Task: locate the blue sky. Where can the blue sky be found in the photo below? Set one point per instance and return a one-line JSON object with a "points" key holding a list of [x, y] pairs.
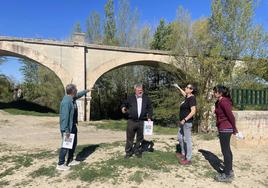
{"points": [[54, 19]]}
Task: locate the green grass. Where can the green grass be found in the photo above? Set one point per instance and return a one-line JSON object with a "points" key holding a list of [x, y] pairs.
{"points": [[7, 172], [138, 176], [113, 167], [24, 183], [22, 161], [44, 171], [14, 111], [18, 161], [4, 183], [120, 125]]}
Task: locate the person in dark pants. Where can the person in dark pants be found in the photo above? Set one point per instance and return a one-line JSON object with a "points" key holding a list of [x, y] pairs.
{"points": [[225, 122], [68, 124], [138, 108], [187, 112]]}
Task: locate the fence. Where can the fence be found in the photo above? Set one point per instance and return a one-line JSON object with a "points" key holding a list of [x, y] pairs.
{"points": [[249, 97]]}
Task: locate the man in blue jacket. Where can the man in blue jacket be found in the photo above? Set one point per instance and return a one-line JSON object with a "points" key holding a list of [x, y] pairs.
{"points": [[68, 124]]}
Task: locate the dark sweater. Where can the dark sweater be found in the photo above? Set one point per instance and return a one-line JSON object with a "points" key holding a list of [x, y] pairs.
{"points": [[225, 117]]}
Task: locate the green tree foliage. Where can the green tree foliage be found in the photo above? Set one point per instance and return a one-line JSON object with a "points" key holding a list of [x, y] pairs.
{"points": [[161, 35], [214, 45], [93, 28], [6, 88], [110, 24], [41, 85]]}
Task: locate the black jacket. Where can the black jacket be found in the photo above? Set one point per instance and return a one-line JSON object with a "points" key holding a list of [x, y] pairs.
{"points": [[132, 109]]}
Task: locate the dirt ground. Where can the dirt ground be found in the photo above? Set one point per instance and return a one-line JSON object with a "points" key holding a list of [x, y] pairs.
{"points": [[30, 134]]}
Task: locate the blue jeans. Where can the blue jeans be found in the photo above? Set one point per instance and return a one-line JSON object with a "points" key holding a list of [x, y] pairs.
{"points": [[184, 137], [64, 151]]}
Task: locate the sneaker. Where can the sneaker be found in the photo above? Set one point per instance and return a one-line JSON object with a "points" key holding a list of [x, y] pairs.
{"points": [[221, 174], [74, 162], [185, 162], [180, 156], [223, 178], [62, 167]]}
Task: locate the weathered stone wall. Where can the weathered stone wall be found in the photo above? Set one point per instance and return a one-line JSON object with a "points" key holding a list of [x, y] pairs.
{"points": [[253, 125]]}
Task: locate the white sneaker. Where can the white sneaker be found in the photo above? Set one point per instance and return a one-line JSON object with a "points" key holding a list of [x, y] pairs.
{"points": [[73, 163], [62, 167]]}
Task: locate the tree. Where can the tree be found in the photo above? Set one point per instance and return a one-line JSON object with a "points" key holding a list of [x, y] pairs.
{"points": [[231, 26], [126, 24], [161, 35], [144, 38], [6, 88], [93, 28], [41, 85], [77, 28], [109, 26]]}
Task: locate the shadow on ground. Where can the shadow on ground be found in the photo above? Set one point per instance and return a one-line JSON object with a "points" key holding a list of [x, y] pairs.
{"points": [[86, 152], [213, 160], [26, 106]]}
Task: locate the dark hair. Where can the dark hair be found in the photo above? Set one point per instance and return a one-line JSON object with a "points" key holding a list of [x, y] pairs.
{"points": [[194, 88], [225, 92]]}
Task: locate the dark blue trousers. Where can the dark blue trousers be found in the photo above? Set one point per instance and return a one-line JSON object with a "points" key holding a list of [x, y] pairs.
{"points": [[64, 151]]}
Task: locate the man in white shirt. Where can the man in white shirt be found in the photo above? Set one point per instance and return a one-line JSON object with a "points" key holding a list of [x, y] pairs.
{"points": [[138, 108]]}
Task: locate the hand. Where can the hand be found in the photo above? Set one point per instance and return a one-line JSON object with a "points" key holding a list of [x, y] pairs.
{"points": [[124, 110], [182, 121], [175, 85], [67, 135], [239, 135]]}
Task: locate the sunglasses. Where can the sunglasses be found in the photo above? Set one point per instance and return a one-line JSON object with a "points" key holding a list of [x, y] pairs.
{"points": [[189, 87]]}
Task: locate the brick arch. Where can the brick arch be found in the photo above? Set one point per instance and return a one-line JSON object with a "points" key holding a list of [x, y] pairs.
{"points": [[7, 49]]}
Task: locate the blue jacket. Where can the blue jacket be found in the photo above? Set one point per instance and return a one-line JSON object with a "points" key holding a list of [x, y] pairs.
{"points": [[67, 111]]}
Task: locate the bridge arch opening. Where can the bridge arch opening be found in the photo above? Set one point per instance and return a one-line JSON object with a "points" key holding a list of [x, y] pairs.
{"points": [[113, 86], [30, 87]]}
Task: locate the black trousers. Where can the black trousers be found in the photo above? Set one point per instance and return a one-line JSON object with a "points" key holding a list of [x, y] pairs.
{"points": [[226, 151], [134, 128]]}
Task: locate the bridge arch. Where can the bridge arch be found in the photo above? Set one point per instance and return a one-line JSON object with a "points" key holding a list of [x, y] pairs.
{"points": [[9, 49], [149, 60]]}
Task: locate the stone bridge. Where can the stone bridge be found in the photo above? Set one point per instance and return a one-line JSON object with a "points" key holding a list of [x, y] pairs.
{"points": [[79, 63]]}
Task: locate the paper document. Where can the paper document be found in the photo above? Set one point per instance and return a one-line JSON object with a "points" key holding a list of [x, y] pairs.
{"points": [[148, 127], [68, 142]]}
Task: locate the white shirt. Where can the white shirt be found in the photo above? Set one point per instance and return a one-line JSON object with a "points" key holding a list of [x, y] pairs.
{"points": [[139, 105]]}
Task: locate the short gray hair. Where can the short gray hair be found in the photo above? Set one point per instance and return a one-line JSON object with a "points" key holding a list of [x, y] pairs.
{"points": [[70, 89], [138, 86]]}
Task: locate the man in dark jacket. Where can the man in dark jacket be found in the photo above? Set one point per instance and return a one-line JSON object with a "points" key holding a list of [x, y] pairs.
{"points": [[138, 109], [68, 124]]}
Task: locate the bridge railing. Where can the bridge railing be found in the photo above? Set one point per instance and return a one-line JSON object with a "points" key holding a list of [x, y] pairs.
{"points": [[250, 99]]}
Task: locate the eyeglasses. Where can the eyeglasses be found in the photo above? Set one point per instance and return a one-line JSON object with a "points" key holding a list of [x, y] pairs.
{"points": [[188, 87]]}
